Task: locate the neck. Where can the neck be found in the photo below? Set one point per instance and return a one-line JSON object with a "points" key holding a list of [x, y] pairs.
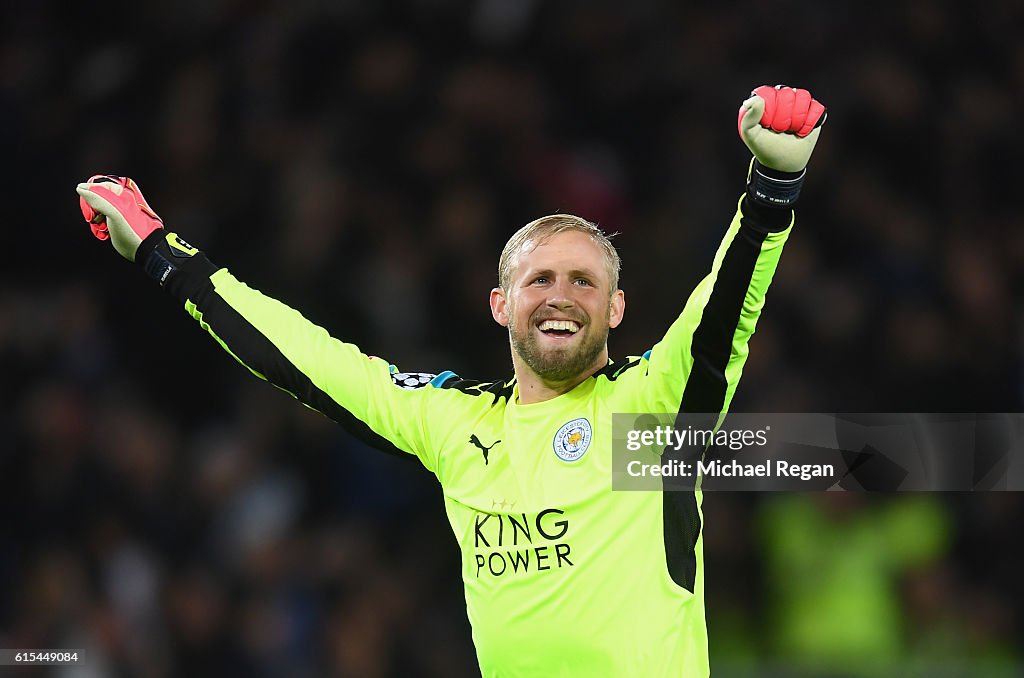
{"points": [[534, 388]]}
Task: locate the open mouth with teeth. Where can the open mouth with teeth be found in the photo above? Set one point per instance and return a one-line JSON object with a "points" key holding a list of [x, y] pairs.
{"points": [[559, 328]]}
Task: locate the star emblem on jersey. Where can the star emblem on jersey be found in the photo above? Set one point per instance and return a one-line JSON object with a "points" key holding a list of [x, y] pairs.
{"points": [[573, 439], [411, 380], [484, 450]]}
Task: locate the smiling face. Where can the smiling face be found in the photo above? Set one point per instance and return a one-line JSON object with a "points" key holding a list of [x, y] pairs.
{"points": [[558, 306]]}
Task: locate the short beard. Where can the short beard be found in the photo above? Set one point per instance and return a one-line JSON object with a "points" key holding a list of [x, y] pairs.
{"points": [[558, 365]]}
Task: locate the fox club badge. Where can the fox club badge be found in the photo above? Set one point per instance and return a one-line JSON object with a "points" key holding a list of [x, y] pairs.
{"points": [[573, 439]]}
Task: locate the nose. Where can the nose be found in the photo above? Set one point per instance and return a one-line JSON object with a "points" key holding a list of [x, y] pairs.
{"points": [[561, 296]]}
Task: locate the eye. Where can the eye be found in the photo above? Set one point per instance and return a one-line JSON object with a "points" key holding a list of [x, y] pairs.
{"points": [[582, 282], [540, 280]]}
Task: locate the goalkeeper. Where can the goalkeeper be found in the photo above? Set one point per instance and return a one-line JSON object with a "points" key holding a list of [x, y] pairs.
{"points": [[563, 577]]}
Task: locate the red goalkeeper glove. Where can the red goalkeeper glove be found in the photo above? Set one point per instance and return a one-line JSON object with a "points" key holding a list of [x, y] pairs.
{"points": [[780, 125], [116, 210]]}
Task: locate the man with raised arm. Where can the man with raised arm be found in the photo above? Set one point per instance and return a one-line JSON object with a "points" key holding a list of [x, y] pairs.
{"points": [[563, 576]]}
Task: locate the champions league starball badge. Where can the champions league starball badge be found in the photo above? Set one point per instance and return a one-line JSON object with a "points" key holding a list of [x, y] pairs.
{"points": [[573, 439], [411, 380]]}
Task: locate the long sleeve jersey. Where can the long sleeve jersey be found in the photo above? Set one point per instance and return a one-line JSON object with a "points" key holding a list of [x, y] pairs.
{"points": [[563, 576]]}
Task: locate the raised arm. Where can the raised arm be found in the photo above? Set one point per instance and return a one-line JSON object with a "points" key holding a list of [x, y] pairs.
{"points": [[697, 365], [276, 343]]}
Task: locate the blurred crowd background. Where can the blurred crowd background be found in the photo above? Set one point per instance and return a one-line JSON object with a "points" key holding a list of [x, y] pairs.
{"points": [[365, 162]]}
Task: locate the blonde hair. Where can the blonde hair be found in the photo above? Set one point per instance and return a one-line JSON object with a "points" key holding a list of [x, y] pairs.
{"points": [[541, 229]]}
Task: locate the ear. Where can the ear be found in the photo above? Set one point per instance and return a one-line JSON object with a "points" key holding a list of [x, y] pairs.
{"points": [[618, 308], [499, 306]]}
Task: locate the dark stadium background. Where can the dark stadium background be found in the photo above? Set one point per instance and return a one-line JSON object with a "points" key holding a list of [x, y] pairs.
{"points": [[364, 162]]}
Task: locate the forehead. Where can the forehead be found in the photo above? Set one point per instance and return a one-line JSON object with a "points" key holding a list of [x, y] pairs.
{"points": [[568, 250]]}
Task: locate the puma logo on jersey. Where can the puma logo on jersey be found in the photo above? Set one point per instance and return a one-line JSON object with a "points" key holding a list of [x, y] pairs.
{"points": [[476, 441]]}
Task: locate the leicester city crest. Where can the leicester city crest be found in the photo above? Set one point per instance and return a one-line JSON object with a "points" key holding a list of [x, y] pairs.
{"points": [[573, 439]]}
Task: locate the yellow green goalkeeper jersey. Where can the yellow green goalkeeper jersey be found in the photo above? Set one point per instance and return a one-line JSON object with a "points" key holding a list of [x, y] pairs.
{"points": [[563, 576]]}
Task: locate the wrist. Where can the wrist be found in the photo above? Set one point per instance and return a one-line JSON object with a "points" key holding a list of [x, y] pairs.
{"points": [[148, 244], [774, 188], [162, 253]]}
